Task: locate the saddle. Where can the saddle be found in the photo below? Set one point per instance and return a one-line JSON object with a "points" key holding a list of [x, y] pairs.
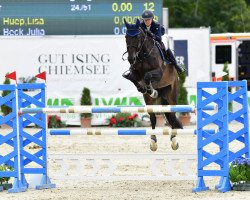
{"points": [[161, 49]]}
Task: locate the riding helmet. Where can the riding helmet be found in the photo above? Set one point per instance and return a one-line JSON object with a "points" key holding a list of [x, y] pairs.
{"points": [[147, 14]]}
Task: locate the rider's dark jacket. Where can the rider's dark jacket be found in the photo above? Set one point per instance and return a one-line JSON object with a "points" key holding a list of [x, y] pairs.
{"points": [[155, 28]]}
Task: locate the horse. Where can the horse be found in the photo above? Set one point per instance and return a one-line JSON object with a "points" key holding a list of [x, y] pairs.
{"points": [[152, 76]]}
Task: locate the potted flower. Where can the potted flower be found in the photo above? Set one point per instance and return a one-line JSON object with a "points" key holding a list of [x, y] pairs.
{"points": [[86, 101], [124, 120], [184, 117], [4, 181], [239, 174], [54, 121]]}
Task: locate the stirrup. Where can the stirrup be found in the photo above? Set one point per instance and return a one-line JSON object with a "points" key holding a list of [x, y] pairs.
{"points": [[180, 69]]}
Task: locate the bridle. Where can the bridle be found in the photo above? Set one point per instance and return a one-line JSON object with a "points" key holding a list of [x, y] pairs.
{"points": [[139, 46]]}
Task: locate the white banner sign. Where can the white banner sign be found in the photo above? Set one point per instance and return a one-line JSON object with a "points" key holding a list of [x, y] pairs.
{"points": [[70, 62]]}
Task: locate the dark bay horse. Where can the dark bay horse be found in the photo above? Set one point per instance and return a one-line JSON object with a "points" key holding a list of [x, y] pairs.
{"points": [[157, 80]]}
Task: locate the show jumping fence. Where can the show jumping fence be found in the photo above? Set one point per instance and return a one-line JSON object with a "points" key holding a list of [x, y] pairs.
{"points": [[211, 93], [117, 109], [109, 131]]}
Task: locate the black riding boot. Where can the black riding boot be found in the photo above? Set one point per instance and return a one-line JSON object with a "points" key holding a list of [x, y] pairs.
{"points": [[172, 59]]}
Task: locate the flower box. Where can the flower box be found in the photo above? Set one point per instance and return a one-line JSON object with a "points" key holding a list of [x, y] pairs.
{"points": [[54, 121], [243, 186], [239, 174], [124, 120]]}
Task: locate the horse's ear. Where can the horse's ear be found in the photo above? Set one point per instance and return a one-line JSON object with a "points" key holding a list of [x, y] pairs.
{"points": [[125, 22], [138, 22]]}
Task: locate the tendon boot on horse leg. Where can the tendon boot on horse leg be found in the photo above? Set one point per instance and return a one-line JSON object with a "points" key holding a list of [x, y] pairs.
{"points": [[175, 124], [172, 59], [132, 77], [152, 76], [153, 143]]}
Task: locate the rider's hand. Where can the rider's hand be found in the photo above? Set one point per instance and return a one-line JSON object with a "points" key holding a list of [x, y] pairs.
{"points": [[151, 34]]}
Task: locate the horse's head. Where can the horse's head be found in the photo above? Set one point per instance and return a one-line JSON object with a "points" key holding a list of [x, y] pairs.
{"points": [[134, 40]]}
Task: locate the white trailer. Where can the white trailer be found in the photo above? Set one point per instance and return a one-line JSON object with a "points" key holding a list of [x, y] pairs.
{"points": [[234, 49]]}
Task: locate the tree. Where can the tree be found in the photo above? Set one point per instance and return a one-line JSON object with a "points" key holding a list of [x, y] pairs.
{"points": [[6, 109], [227, 78], [86, 101], [225, 70], [220, 15]]}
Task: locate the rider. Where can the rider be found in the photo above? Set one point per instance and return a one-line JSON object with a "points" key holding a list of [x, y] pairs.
{"points": [[155, 30]]}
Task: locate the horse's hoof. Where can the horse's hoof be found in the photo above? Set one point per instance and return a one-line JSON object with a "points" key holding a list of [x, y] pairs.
{"points": [[126, 74], [153, 145], [154, 94], [175, 144]]}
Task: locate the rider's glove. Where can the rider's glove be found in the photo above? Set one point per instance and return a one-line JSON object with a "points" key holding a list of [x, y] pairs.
{"points": [[151, 35]]}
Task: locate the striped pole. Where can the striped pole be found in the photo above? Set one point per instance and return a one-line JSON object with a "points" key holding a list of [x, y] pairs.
{"points": [[116, 109], [113, 131]]}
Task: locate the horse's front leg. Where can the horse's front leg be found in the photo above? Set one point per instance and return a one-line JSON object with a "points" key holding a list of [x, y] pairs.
{"points": [[152, 76], [130, 75]]}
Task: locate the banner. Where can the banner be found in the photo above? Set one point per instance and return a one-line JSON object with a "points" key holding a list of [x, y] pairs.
{"points": [[70, 62], [181, 53]]}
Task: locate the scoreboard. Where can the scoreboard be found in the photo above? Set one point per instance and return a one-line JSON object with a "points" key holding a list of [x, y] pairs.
{"points": [[71, 17]]}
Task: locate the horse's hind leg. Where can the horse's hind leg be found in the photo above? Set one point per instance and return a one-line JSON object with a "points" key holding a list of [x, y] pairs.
{"points": [[153, 143], [173, 121], [175, 124]]}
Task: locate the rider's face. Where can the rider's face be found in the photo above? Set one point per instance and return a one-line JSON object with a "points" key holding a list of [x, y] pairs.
{"points": [[148, 22]]}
